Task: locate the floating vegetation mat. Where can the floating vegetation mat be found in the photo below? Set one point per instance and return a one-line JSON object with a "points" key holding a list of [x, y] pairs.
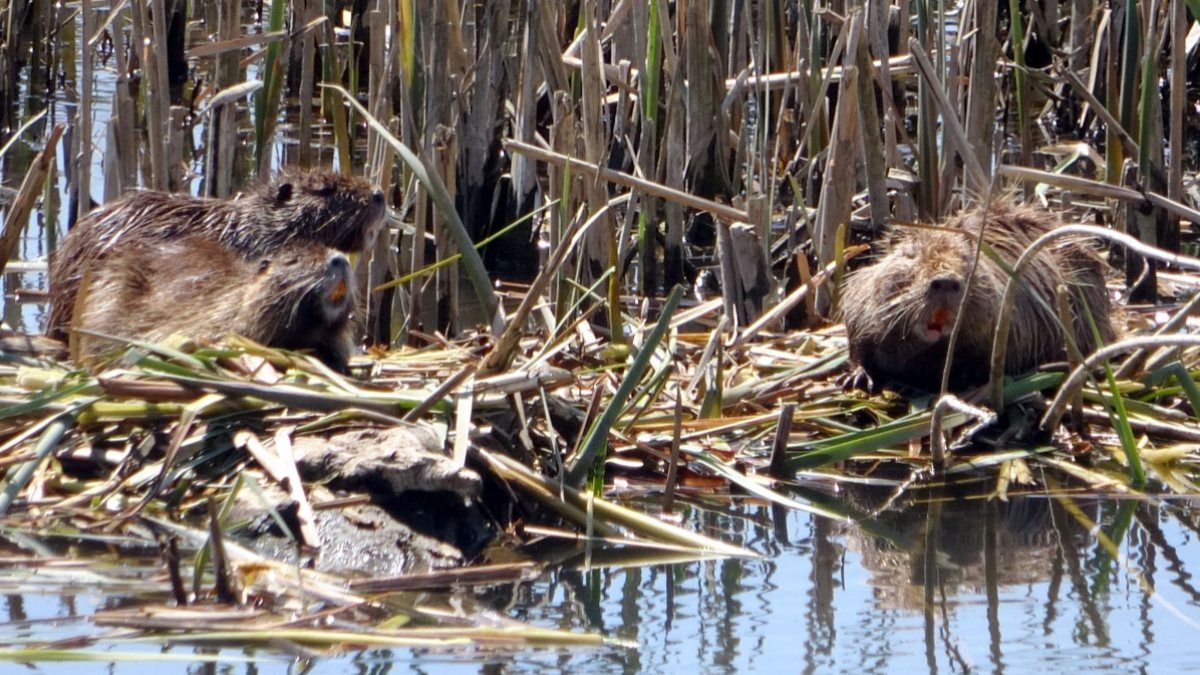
{"points": [[126, 477]]}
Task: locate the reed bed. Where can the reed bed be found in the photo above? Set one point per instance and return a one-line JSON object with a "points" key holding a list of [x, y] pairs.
{"points": [[599, 157]]}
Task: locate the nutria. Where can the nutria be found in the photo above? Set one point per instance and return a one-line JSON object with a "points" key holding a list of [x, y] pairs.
{"points": [[299, 297], [899, 311], [335, 210]]}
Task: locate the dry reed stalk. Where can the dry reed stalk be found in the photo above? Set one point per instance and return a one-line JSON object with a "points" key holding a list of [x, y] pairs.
{"points": [[669, 194], [82, 152], [124, 126], [446, 288], [874, 161], [838, 186], [17, 216], [1178, 88], [671, 166], [524, 171], [977, 180], [152, 96], [223, 142], [600, 248], [305, 12], [981, 90]]}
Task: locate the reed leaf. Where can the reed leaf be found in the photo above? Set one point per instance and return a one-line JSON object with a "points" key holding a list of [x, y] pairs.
{"points": [[597, 435], [266, 101], [433, 184]]}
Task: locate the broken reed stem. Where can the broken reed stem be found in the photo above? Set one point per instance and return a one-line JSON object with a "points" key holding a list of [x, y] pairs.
{"points": [[673, 466], [590, 170], [223, 584], [1098, 189], [1066, 392], [783, 431], [17, 216], [168, 546]]}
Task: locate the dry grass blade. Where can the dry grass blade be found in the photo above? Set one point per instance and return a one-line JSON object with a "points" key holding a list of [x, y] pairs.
{"points": [[575, 506]]}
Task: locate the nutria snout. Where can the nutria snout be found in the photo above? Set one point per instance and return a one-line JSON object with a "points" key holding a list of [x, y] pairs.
{"points": [[336, 288], [337, 211], [899, 311]]}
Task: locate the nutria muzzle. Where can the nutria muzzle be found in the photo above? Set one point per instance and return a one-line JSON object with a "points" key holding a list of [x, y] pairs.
{"points": [[337, 288], [943, 297]]}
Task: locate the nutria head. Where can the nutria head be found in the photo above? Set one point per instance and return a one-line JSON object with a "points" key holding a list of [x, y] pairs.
{"points": [[927, 274], [303, 298], [343, 212], [899, 312]]}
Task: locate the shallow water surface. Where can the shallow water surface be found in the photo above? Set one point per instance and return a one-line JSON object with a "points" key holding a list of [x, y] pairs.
{"points": [[940, 585]]}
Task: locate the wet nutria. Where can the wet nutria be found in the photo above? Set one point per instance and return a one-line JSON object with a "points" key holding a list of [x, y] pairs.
{"points": [[899, 311], [338, 211], [299, 297]]}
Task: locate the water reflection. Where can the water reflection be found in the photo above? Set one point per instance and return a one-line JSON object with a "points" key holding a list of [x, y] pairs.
{"points": [[944, 581]]}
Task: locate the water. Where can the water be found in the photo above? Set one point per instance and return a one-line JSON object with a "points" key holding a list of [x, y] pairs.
{"points": [[938, 586]]}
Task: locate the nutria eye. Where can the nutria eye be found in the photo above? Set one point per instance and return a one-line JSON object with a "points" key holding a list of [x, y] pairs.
{"points": [[283, 192], [264, 265]]}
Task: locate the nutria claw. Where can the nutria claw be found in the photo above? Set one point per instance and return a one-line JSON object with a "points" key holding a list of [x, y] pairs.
{"points": [[858, 378]]}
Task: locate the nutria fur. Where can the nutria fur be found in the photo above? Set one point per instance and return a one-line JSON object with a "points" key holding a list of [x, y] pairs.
{"points": [[899, 311], [338, 211], [299, 297]]}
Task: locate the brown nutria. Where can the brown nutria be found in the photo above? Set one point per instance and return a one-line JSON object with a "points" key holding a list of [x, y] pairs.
{"points": [[299, 297], [339, 211], [899, 311]]}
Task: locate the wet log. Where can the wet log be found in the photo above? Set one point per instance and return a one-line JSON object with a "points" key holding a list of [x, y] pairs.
{"points": [[383, 462]]}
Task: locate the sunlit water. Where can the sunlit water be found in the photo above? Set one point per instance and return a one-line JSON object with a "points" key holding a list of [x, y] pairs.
{"points": [[1007, 588]]}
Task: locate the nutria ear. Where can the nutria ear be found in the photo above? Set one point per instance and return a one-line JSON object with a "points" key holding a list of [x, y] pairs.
{"points": [[283, 192]]}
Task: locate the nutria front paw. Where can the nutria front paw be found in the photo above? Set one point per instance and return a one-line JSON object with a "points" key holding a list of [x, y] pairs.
{"points": [[858, 378]]}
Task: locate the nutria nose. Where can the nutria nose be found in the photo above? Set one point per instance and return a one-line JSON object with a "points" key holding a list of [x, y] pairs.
{"points": [[377, 197], [945, 285], [339, 264]]}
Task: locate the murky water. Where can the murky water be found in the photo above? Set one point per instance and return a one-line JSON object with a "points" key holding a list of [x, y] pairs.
{"points": [[943, 585]]}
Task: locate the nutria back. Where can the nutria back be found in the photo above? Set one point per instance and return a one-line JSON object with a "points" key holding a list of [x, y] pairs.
{"points": [[300, 297], [900, 310], [337, 211]]}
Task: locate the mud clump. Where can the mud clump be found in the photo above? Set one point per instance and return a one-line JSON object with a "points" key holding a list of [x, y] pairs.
{"points": [[337, 211], [300, 298], [899, 311]]}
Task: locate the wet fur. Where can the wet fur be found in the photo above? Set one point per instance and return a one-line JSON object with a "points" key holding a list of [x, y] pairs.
{"points": [[196, 287], [886, 305], [339, 211]]}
